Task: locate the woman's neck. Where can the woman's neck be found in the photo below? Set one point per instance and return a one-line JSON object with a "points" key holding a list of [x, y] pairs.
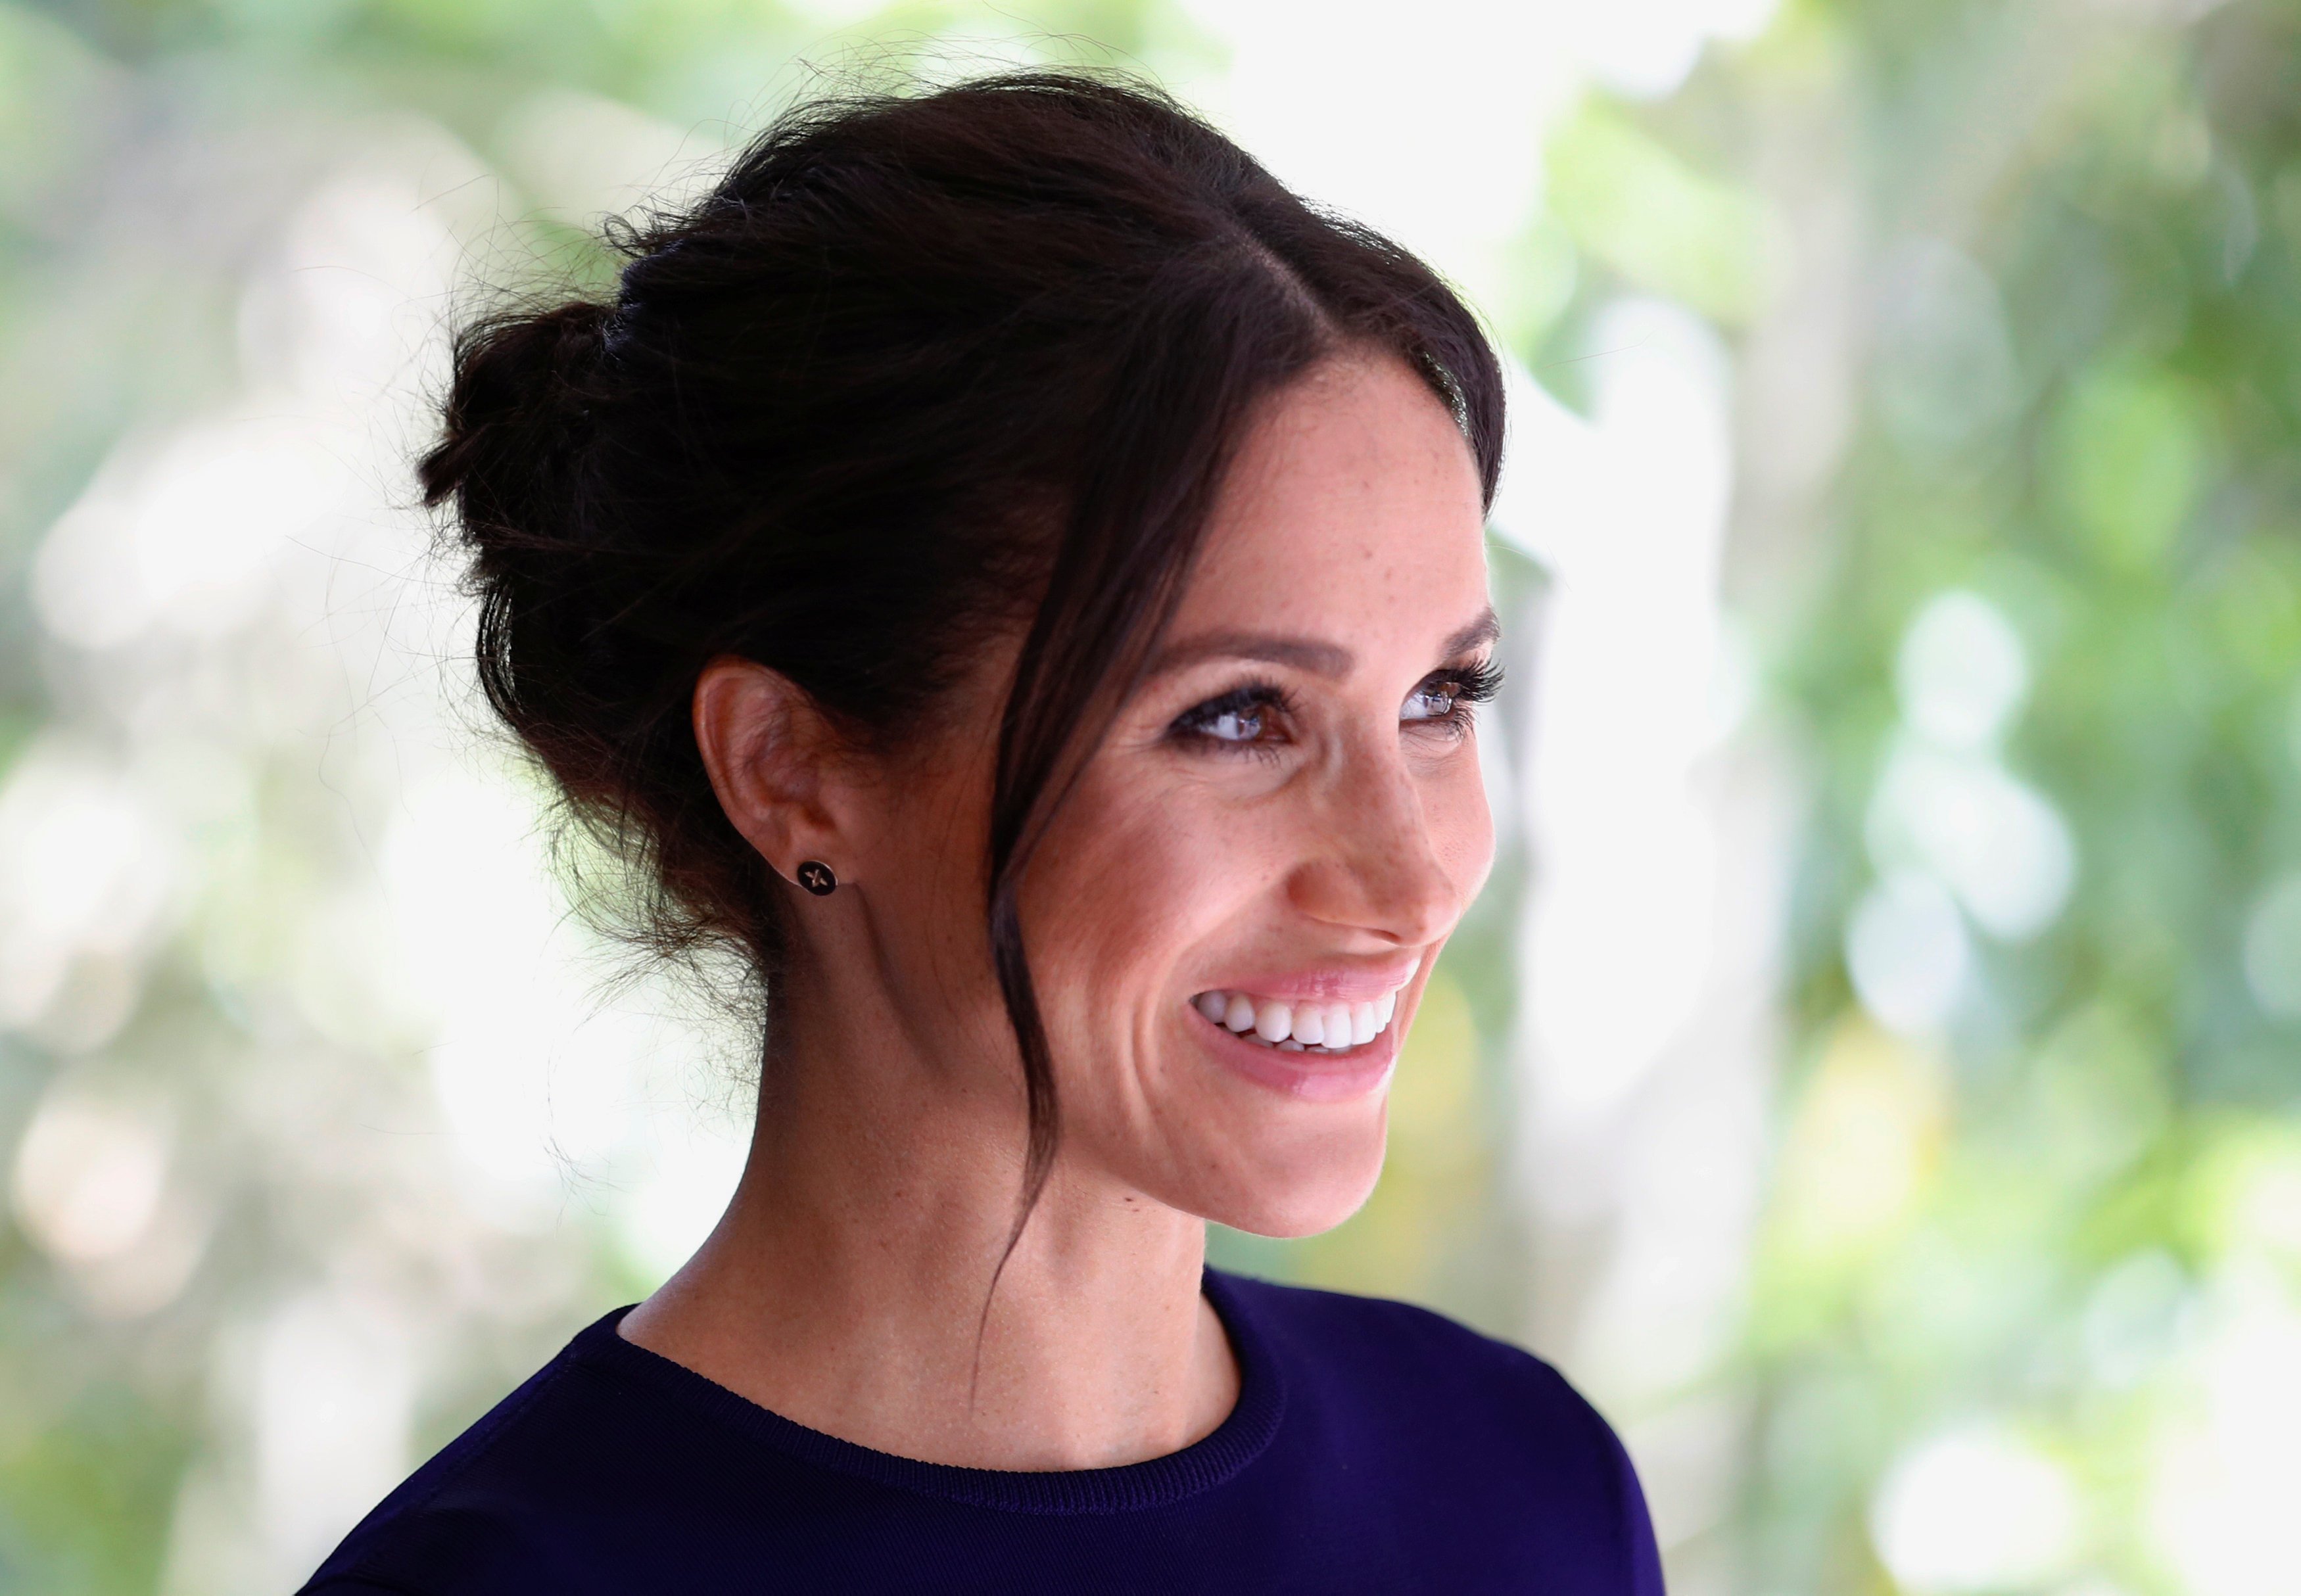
{"points": [[845, 1286]]}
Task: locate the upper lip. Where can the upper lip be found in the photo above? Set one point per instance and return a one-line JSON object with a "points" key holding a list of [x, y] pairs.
{"points": [[1328, 983]]}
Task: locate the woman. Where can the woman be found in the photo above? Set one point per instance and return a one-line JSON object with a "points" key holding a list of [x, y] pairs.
{"points": [[1016, 572]]}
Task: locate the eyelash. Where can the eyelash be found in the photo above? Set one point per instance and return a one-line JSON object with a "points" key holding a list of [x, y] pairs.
{"points": [[1465, 687], [1472, 686]]}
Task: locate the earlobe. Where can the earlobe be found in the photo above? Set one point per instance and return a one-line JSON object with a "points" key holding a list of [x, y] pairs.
{"points": [[764, 746]]}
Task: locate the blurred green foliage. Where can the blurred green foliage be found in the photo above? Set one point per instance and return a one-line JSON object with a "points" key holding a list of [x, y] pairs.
{"points": [[2094, 429]]}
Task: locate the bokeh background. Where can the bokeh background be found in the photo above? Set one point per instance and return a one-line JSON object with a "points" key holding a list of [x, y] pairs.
{"points": [[1873, 1074]]}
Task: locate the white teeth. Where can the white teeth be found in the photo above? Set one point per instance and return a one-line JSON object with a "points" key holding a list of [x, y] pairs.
{"points": [[1329, 1027]]}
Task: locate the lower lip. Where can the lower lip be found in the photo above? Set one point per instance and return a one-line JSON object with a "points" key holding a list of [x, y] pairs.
{"points": [[1314, 1077]]}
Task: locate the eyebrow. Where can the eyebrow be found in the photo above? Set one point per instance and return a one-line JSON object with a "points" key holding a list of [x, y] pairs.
{"points": [[1304, 654], [1486, 629]]}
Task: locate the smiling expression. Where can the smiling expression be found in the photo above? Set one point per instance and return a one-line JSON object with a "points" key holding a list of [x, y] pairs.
{"points": [[1234, 916], [1230, 918]]}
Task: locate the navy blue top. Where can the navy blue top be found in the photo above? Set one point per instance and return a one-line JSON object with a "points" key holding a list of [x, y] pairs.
{"points": [[1374, 1448]]}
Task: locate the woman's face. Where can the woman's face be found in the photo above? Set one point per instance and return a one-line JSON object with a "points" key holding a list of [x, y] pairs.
{"points": [[1233, 919]]}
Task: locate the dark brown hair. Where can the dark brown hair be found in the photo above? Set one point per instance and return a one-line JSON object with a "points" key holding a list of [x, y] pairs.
{"points": [[918, 367]]}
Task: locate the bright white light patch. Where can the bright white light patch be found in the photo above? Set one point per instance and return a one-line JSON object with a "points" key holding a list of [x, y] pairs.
{"points": [[335, 1392], [1647, 48], [1977, 1509], [88, 1177], [1994, 840], [1962, 673], [1622, 926], [83, 869], [1907, 952], [667, 1218], [187, 536], [1383, 114], [2227, 1476]]}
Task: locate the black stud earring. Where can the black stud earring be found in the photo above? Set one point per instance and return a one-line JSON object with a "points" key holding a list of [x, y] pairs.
{"points": [[816, 876]]}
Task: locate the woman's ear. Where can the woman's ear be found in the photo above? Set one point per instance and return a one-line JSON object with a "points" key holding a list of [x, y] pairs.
{"points": [[769, 751]]}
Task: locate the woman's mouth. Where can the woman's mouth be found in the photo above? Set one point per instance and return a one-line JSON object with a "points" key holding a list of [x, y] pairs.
{"points": [[1306, 1025]]}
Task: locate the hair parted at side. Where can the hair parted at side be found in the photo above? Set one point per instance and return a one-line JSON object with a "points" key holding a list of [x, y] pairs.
{"points": [[919, 367]]}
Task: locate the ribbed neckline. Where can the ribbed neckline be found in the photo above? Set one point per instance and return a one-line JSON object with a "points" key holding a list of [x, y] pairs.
{"points": [[1234, 1443]]}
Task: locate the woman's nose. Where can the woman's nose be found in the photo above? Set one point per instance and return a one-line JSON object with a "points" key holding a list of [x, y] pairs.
{"points": [[1376, 861]]}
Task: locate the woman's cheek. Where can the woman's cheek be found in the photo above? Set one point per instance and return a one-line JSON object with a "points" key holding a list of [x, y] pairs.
{"points": [[1138, 860], [1186, 875]]}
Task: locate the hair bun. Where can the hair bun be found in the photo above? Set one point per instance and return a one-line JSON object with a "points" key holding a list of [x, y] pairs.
{"points": [[523, 388]]}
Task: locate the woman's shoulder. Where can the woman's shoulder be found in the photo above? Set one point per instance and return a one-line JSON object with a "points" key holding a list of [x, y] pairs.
{"points": [[1335, 1334], [1378, 1378], [498, 1496]]}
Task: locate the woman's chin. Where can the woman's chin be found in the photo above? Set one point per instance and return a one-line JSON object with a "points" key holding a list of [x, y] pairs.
{"points": [[1287, 1199]]}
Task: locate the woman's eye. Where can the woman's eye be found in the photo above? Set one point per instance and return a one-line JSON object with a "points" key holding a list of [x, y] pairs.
{"points": [[1248, 718], [1232, 725], [1453, 694], [1432, 702]]}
